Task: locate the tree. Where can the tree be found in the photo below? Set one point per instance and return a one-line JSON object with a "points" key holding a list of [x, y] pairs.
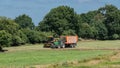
{"points": [[60, 26], [115, 36], [107, 9], [100, 31], [34, 36], [112, 19], [25, 21], [69, 32], [5, 38], [22, 36], [59, 19], [86, 31], [16, 40], [8, 25]]}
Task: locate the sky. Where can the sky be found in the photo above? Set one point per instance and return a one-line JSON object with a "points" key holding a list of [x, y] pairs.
{"points": [[37, 9]]}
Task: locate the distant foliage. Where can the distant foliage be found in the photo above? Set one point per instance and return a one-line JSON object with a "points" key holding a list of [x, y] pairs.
{"points": [[101, 24], [115, 36], [8, 25], [58, 20], [5, 38], [34, 36], [25, 21]]}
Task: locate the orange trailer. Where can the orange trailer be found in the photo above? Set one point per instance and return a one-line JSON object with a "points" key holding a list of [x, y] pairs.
{"points": [[70, 41]]}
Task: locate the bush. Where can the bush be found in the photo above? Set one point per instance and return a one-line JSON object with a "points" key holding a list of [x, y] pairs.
{"points": [[16, 40], [69, 32], [5, 38], [23, 37], [115, 36], [34, 36]]}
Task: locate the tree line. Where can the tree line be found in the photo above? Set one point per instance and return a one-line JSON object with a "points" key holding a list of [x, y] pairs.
{"points": [[100, 24]]}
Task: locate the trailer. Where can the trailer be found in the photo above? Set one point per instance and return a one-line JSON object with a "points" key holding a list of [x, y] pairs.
{"points": [[70, 41]]}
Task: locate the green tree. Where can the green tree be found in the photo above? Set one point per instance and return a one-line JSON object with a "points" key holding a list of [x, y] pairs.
{"points": [[69, 32], [86, 31], [16, 40], [5, 38], [8, 25], [100, 31], [34, 36], [115, 36], [112, 19], [11, 27], [59, 19], [25, 21], [23, 37], [85, 24]]}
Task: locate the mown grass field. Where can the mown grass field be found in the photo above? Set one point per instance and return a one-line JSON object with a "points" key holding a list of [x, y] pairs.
{"points": [[31, 55], [40, 57], [100, 44], [106, 63]]}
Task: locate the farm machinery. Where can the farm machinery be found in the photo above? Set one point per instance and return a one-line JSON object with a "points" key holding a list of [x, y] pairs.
{"points": [[61, 42]]}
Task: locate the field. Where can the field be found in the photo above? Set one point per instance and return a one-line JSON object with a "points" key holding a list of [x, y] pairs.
{"points": [[35, 56]]}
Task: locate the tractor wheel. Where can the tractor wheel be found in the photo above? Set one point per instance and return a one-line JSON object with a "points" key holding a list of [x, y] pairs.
{"points": [[58, 47], [63, 46], [74, 45], [52, 46]]}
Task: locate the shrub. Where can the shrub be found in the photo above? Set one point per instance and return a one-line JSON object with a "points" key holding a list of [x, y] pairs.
{"points": [[23, 37], [16, 40], [69, 32], [115, 36], [34, 36], [5, 38]]}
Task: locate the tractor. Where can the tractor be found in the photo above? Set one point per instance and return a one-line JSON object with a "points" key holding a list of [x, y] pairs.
{"points": [[61, 42]]}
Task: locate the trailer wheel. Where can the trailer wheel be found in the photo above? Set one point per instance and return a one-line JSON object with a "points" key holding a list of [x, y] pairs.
{"points": [[75, 45], [71, 45]]}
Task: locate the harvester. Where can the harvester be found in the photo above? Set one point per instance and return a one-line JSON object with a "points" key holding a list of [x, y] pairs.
{"points": [[61, 42]]}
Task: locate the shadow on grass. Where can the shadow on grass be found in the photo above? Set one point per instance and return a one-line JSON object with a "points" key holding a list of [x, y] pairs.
{"points": [[3, 50]]}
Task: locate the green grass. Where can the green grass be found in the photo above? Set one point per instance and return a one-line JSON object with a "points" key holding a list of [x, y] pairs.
{"points": [[82, 44], [106, 64], [39, 57], [30, 55], [99, 44]]}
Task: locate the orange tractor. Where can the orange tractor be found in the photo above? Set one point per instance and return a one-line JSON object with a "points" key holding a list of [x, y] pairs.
{"points": [[61, 42]]}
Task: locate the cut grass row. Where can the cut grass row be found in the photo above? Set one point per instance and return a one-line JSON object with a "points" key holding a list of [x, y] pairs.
{"points": [[111, 61], [41, 57]]}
